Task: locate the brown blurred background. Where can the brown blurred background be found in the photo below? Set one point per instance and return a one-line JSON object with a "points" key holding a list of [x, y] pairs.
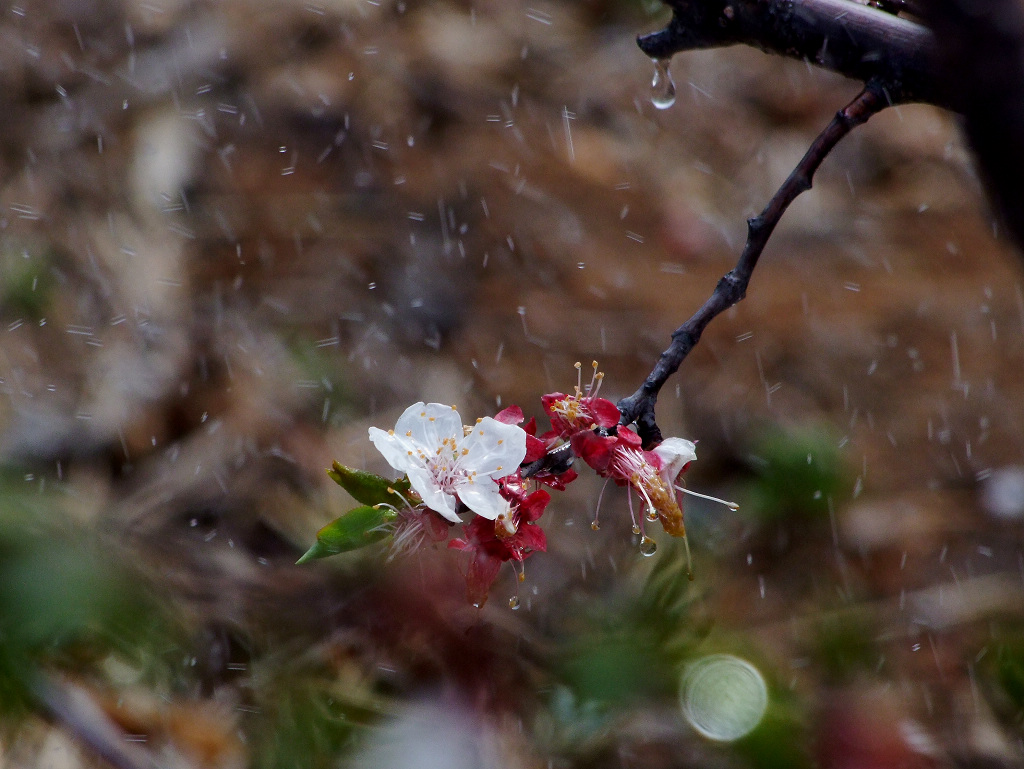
{"points": [[235, 234]]}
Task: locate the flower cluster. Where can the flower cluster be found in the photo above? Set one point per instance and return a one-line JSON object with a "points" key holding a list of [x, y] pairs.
{"points": [[494, 472]]}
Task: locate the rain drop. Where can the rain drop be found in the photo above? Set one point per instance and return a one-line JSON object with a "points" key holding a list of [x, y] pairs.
{"points": [[652, 515], [636, 529], [663, 89], [595, 526], [513, 603], [648, 547]]}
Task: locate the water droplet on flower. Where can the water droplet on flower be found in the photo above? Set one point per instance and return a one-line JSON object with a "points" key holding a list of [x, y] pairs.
{"points": [[648, 547], [636, 529], [477, 604], [652, 515], [595, 526], [513, 602], [663, 89]]}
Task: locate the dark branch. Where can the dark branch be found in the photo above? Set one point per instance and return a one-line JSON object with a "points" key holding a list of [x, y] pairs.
{"points": [[639, 407], [861, 42], [982, 60]]}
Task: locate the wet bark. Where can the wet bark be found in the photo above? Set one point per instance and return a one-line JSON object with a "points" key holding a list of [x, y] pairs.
{"points": [[859, 41]]}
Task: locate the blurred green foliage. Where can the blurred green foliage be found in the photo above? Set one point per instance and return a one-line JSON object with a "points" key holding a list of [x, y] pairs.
{"points": [[1002, 673], [302, 726], [634, 647], [303, 714], [843, 646], [67, 601], [319, 367], [569, 726], [780, 741], [26, 284], [635, 651], [797, 473]]}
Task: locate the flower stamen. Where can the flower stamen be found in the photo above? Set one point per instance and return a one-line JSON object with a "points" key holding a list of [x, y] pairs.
{"points": [[398, 494], [731, 505], [595, 382], [595, 524]]}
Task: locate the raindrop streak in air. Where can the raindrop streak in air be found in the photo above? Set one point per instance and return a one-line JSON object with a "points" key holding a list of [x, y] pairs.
{"points": [[663, 89], [648, 547], [723, 697]]}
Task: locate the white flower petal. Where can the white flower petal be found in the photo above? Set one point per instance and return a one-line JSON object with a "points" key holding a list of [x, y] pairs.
{"points": [[674, 454], [429, 445], [494, 449], [483, 498], [424, 484], [429, 425], [395, 449]]}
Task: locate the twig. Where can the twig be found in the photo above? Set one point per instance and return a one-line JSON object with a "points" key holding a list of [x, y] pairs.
{"points": [[859, 41], [639, 407], [76, 711]]}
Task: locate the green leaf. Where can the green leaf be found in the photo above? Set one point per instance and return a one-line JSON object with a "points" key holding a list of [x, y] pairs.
{"points": [[370, 489], [355, 529]]}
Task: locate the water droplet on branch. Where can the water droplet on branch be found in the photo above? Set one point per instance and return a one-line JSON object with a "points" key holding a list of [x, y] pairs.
{"points": [[663, 88]]}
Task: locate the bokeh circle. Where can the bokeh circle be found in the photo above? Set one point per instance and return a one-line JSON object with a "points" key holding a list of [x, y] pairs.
{"points": [[723, 697]]}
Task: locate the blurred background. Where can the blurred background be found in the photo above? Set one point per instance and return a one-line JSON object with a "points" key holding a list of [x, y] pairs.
{"points": [[235, 234]]}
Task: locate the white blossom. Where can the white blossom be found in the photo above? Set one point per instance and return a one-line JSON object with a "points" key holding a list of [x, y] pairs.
{"points": [[675, 454], [444, 460]]}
